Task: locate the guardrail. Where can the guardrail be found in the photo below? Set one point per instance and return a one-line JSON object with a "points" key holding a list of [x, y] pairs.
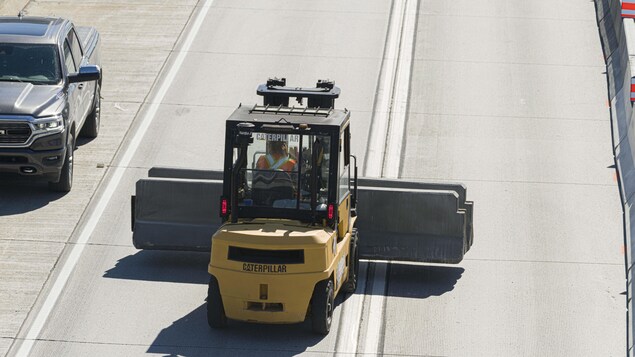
{"points": [[617, 34]]}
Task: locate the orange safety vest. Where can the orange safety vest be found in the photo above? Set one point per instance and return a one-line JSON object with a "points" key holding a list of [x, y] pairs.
{"points": [[284, 163]]}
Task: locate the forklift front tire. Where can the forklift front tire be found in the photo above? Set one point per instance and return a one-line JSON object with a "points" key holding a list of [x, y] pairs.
{"points": [[353, 265]]}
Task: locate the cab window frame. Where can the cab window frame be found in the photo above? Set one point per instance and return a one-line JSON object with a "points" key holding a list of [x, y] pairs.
{"points": [[272, 212], [68, 55], [344, 167], [76, 48]]}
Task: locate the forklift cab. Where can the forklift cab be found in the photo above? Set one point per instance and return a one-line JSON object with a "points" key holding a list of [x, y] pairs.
{"points": [[290, 163]]}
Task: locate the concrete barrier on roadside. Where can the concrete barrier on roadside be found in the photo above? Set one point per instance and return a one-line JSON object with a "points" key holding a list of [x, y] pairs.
{"points": [[177, 209], [617, 36], [175, 214], [190, 174], [461, 191], [412, 225]]}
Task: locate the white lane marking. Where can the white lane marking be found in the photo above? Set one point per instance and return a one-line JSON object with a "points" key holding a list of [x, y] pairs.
{"points": [[381, 114], [351, 316], [383, 158], [394, 144], [376, 310], [78, 248]]}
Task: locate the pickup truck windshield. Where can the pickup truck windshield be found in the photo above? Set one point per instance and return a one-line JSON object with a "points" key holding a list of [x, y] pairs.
{"points": [[37, 64]]}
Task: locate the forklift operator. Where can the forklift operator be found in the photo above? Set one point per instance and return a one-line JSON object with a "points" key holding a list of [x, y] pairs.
{"points": [[277, 157]]}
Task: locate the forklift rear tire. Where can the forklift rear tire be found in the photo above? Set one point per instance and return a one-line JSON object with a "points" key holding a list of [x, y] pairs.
{"points": [[322, 304], [353, 265], [215, 311]]}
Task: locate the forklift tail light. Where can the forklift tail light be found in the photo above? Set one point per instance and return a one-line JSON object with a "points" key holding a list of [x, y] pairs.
{"points": [[223, 206], [331, 211]]}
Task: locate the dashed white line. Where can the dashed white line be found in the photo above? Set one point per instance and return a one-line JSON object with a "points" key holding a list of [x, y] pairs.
{"points": [[76, 252]]}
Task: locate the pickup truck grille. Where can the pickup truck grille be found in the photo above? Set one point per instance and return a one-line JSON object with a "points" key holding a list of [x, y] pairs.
{"points": [[14, 133]]}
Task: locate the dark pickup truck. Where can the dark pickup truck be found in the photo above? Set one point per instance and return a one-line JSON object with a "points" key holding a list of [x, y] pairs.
{"points": [[50, 83]]}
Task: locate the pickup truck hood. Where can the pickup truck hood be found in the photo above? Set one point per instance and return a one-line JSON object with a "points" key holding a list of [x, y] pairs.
{"points": [[28, 99]]}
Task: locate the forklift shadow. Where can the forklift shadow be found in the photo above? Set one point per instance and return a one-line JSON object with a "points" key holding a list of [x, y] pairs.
{"points": [[167, 266], [191, 336], [421, 281], [409, 280], [402, 279]]}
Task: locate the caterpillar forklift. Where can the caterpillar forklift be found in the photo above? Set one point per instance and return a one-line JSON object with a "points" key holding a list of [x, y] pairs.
{"points": [[287, 242]]}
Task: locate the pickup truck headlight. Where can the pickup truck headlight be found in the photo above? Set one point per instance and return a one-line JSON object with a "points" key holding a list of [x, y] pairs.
{"points": [[48, 125]]}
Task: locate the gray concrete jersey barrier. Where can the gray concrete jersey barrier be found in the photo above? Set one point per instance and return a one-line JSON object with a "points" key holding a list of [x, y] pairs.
{"points": [[175, 214], [617, 36], [178, 209]]}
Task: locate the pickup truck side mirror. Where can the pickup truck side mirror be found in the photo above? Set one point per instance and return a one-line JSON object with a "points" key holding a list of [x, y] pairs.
{"points": [[86, 73]]}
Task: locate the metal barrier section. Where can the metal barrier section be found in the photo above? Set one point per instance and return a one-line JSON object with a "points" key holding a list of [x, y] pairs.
{"points": [[177, 209]]}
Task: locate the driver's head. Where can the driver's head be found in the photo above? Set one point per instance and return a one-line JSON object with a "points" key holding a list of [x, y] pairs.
{"points": [[277, 147]]}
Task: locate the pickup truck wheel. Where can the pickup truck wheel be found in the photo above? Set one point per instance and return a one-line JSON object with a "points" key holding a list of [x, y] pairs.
{"points": [[215, 311], [91, 126], [353, 265], [66, 177], [322, 304]]}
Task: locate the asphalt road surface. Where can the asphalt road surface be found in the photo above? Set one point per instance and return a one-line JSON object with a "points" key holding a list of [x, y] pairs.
{"points": [[508, 97]]}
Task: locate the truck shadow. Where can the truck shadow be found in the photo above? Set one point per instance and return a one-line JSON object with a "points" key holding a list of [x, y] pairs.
{"points": [[24, 194], [81, 141]]}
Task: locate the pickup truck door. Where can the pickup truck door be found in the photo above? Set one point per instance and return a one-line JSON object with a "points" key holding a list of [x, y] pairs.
{"points": [[85, 90], [73, 91]]}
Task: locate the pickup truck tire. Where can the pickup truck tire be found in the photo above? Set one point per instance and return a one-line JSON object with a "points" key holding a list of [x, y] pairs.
{"points": [[91, 125], [322, 304], [215, 311], [353, 265], [66, 177]]}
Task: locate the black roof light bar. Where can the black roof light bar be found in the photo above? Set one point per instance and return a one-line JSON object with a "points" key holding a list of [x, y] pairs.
{"points": [[276, 93]]}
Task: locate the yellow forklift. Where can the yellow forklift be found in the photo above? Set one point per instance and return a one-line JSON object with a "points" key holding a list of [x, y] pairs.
{"points": [[287, 242]]}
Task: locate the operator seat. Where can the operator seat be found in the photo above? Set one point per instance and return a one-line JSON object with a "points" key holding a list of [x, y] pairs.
{"points": [[270, 186]]}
